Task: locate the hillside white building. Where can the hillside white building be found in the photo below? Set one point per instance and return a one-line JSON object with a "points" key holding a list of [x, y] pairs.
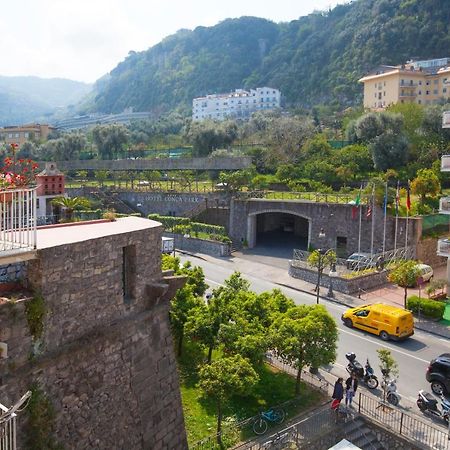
{"points": [[239, 104]]}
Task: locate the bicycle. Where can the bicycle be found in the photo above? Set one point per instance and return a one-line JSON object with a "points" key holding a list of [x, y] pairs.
{"points": [[260, 424]]}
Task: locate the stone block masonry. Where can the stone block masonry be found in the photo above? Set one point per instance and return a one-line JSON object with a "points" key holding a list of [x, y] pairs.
{"points": [[105, 359]]}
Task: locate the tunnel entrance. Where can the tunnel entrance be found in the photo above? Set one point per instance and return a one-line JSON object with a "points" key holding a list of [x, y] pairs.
{"points": [[282, 231]]}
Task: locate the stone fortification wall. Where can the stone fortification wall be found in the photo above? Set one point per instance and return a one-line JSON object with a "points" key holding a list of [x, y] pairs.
{"points": [[105, 360], [426, 252], [194, 245], [335, 220], [344, 285]]}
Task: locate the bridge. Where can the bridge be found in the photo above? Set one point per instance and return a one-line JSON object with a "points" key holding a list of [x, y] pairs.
{"points": [[217, 163]]}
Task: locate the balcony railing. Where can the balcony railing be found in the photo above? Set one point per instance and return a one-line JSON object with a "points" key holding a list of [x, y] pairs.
{"points": [[445, 163], [17, 221], [443, 247]]}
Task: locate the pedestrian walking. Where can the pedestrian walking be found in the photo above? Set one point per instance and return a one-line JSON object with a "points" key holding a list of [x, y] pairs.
{"points": [[351, 385], [338, 394]]}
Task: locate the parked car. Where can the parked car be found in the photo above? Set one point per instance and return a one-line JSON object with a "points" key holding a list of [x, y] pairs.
{"points": [[358, 261], [438, 374], [425, 271], [386, 321]]}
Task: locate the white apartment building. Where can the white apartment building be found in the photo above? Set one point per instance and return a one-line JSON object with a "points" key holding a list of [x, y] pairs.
{"points": [[240, 104]]}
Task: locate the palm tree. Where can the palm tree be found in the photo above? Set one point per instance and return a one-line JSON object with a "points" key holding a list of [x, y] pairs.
{"points": [[70, 204]]}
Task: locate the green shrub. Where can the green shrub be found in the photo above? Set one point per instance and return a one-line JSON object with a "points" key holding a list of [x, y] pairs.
{"points": [[220, 238], [430, 308], [208, 229], [169, 222]]}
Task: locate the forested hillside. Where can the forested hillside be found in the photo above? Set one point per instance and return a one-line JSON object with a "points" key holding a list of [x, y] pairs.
{"points": [[316, 59], [24, 99]]}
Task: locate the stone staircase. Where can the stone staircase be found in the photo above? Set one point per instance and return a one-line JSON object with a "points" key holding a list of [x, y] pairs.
{"points": [[358, 433], [111, 200]]}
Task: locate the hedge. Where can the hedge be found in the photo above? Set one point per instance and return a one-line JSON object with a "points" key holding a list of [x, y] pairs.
{"points": [[430, 308], [169, 221]]}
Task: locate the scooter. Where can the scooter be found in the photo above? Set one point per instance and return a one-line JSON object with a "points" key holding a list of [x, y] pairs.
{"points": [[428, 403], [365, 374], [392, 396]]}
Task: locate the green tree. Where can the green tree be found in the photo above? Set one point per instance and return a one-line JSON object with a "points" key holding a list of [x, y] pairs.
{"points": [[110, 140], [224, 378], [425, 183], [181, 306], [388, 367], [305, 336], [405, 275], [101, 176], [70, 204]]}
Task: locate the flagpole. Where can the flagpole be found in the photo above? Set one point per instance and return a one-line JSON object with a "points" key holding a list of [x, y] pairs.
{"points": [[408, 206], [373, 220], [385, 218], [396, 214], [360, 221]]}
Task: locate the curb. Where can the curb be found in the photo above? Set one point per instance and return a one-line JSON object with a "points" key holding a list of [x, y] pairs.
{"points": [[339, 302]]}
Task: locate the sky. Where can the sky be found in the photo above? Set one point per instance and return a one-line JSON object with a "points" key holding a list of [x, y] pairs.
{"points": [[85, 39]]}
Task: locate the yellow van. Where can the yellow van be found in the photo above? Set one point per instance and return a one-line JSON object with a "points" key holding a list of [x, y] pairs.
{"points": [[386, 321]]}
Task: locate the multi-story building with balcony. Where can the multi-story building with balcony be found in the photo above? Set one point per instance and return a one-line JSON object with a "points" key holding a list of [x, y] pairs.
{"points": [[444, 205], [240, 104], [424, 82], [23, 133]]}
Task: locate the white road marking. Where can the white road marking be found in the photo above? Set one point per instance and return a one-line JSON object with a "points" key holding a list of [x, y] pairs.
{"points": [[385, 345]]}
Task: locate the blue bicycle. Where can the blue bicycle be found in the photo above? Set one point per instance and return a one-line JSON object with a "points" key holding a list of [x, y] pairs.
{"points": [[276, 415]]}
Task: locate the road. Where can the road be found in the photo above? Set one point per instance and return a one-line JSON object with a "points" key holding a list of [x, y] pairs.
{"points": [[412, 355]]}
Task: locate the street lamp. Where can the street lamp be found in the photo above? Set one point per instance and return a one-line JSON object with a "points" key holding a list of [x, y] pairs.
{"points": [[331, 275], [320, 267]]}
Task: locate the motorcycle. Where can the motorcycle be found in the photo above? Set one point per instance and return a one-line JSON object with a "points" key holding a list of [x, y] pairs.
{"points": [[428, 403], [392, 396], [365, 374]]}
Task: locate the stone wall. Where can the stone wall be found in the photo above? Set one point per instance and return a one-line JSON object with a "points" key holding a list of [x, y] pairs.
{"points": [[105, 359], [194, 245], [335, 220], [12, 273], [426, 252], [344, 285]]}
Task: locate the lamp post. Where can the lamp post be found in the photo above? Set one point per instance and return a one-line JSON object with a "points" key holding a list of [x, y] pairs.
{"points": [[320, 268], [332, 274]]}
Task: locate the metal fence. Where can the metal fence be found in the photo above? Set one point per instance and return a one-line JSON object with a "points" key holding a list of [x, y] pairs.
{"points": [[403, 424], [377, 260]]}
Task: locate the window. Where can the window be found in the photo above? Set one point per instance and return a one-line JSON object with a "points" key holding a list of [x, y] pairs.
{"points": [[420, 82], [419, 102], [420, 92], [427, 93], [427, 83], [16, 135], [375, 95], [384, 93], [444, 90], [128, 272], [436, 81], [435, 91], [26, 134]]}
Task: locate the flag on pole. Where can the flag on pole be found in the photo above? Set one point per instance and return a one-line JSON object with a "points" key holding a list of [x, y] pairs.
{"points": [[397, 198], [369, 211], [408, 198], [356, 204]]}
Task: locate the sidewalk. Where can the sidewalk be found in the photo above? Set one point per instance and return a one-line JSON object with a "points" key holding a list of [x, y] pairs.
{"points": [[276, 270]]}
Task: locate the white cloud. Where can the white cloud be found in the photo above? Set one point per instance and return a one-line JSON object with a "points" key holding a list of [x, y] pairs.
{"points": [[84, 39]]}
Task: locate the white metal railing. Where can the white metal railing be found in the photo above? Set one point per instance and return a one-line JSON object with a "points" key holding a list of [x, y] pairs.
{"points": [[444, 205], [445, 163], [443, 247], [17, 220], [7, 430]]}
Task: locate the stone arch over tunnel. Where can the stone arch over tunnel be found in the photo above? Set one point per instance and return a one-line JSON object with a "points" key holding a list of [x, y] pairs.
{"points": [[278, 228]]}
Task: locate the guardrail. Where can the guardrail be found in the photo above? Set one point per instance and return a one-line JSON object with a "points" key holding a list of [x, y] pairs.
{"points": [[8, 434]]}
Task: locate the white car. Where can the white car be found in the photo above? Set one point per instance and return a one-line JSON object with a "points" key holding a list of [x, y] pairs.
{"points": [[425, 271], [358, 261]]}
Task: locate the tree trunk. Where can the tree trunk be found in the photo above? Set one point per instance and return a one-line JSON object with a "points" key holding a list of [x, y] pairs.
{"points": [[219, 423], [210, 350], [406, 296], [297, 383]]}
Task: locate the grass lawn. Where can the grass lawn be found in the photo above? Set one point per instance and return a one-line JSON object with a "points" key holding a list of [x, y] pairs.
{"points": [[273, 388]]}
